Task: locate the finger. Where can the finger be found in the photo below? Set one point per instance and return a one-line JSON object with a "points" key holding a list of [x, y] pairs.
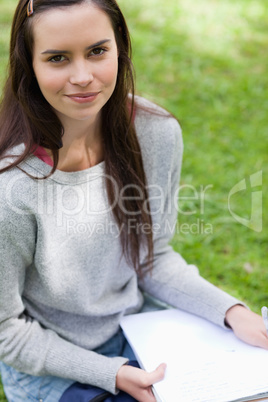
{"points": [[263, 341], [151, 394], [257, 338], [158, 374]]}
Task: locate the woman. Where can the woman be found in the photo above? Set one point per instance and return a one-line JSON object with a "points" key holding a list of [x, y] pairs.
{"points": [[89, 177]]}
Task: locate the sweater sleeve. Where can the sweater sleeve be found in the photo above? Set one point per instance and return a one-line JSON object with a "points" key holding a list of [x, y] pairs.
{"points": [[24, 343], [173, 280]]}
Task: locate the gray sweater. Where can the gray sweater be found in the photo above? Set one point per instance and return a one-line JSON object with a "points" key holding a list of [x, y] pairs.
{"points": [[64, 282]]}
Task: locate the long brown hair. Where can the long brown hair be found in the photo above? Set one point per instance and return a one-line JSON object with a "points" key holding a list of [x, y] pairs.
{"points": [[26, 117]]}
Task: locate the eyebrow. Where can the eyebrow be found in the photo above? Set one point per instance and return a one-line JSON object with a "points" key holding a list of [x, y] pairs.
{"points": [[54, 51]]}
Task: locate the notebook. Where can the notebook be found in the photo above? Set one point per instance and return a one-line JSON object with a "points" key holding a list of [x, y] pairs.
{"points": [[205, 363]]}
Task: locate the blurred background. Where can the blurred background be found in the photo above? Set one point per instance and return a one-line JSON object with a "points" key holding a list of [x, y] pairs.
{"points": [[206, 62]]}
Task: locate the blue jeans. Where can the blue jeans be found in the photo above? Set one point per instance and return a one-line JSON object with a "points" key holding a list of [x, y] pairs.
{"points": [[20, 387]]}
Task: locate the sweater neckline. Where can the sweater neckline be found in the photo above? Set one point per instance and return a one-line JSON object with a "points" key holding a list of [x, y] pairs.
{"points": [[38, 168]]}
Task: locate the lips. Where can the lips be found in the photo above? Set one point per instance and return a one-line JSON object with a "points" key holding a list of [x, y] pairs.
{"points": [[86, 97], [83, 95]]}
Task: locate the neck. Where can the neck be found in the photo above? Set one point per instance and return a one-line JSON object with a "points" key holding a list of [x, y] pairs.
{"points": [[82, 146]]}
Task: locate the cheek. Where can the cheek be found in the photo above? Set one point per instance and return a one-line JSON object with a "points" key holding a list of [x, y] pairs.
{"points": [[108, 72], [49, 82]]}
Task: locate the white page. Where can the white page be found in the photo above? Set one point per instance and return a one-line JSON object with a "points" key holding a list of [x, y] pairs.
{"points": [[204, 361]]}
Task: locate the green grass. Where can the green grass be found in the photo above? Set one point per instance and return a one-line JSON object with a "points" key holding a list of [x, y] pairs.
{"points": [[206, 62]]}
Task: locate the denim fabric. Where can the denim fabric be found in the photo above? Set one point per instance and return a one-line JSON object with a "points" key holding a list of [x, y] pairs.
{"points": [[20, 387], [84, 393]]}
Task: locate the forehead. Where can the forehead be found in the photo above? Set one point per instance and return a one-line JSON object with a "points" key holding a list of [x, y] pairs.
{"points": [[73, 24]]}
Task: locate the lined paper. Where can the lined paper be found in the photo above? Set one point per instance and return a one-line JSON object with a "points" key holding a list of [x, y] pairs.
{"points": [[205, 363]]}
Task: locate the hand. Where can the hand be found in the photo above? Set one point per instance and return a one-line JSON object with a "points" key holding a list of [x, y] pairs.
{"points": [[247, 326], [137, 382]]}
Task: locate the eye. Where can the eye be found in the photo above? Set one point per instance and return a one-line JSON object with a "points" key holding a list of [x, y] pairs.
{"points": [[98, 51], [57, 59]]}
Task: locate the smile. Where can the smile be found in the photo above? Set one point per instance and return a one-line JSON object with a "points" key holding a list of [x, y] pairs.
{"points": [[83, 97]]}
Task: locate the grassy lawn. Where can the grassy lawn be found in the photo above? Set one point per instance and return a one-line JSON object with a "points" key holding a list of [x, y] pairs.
{"points": [[205, 61]]}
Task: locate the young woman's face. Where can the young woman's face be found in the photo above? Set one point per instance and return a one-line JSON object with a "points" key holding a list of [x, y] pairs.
{"points": [[75, 60]]}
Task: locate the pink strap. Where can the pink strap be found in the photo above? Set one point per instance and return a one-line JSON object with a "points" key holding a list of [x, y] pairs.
{"points": [[42, 154]]}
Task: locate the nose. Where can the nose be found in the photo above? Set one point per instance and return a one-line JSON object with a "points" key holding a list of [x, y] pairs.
{"points": [[81, 73]]}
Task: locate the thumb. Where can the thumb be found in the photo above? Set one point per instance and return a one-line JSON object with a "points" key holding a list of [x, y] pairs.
{"points": [[158, 374]]}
